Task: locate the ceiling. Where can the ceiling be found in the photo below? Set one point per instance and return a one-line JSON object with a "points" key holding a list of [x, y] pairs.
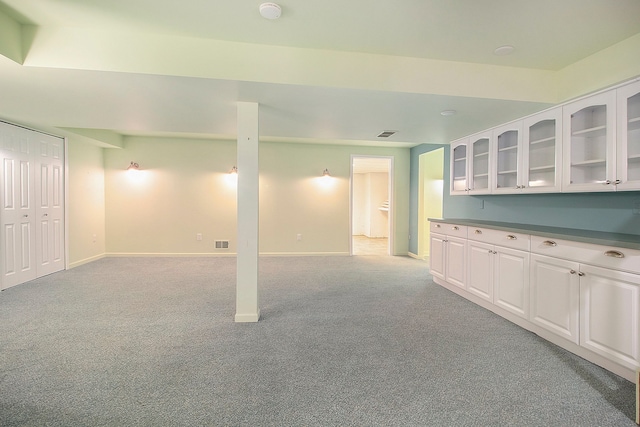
{"points": [[328, 71]]}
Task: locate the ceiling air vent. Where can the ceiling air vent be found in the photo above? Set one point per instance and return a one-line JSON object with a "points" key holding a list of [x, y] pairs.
{"points": [[386, 133]]}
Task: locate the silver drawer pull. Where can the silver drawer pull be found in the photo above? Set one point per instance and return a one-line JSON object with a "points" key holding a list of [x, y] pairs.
{"points": [[549, 243], [478, 232], [572, 271], [437, 225], [511, 237], [614, 254], [455, 227]]}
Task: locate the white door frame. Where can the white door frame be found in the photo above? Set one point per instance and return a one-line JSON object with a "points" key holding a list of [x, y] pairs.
{"points": [[392, 205]]}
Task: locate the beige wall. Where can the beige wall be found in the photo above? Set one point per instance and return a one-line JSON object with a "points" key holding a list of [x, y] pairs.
{"points": [[86, 202], [183, 190]]}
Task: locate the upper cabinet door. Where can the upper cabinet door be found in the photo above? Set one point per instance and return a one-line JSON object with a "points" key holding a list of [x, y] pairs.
{"points": [[542, 152], [589, 144], [480, 162], [628, 147], [507, 153], [459, 167]]}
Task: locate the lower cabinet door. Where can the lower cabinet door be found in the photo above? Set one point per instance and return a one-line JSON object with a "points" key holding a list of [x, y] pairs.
{"points": [[555, 296], [455, 257], [480, 269], [511, 281], [436, 255], [610, 314]]}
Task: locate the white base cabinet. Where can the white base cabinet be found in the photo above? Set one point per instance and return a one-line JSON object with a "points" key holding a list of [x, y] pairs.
{"points": [[609, 314], [583, 297], [555, 291], [448, 253]]}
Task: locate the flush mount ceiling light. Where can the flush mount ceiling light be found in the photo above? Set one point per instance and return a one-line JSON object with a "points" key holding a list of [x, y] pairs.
{"points": [[503, 50], [270, 10], [448, 112]]}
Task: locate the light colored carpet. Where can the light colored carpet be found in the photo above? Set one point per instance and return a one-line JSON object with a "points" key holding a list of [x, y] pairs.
{"points": [[344, 341]]}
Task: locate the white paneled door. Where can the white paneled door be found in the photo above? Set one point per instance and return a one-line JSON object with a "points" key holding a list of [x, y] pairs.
{"points": [[32, 210]]}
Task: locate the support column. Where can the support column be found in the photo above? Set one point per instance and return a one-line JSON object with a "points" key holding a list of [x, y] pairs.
{"points": [[247, 266]]}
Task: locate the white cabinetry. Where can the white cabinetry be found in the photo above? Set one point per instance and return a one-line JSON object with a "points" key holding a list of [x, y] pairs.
{"points": [[459, 168], [628, 136], [448, 256], [507, 152], [555, 295], [589, 144], [584, 297], [592, 144], [498, 268], [608, 296], [542, 152], [609, 314], [471, 165]]}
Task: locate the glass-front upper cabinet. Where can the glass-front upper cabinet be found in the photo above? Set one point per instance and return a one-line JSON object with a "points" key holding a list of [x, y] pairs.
{"points": [[628, 148], [480, 163], [542, 151], [507, 152], [589, 145], [459, 184]]}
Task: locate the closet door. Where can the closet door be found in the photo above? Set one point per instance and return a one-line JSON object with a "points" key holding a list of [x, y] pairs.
{"points": [[49, 204], [17, 212]]}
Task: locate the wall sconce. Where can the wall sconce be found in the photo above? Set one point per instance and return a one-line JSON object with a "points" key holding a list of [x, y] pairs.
{"points": [[234, 171], [326, 173], [133, 166]]}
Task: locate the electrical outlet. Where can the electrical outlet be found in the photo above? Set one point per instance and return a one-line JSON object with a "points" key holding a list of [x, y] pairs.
{"points": [[299, 237], [95, 238], [199, 236]]}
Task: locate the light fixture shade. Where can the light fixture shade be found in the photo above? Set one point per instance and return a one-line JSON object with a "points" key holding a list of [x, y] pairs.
{"points": [[234, 170], [326, 173], [270, 10], [133, 166]]}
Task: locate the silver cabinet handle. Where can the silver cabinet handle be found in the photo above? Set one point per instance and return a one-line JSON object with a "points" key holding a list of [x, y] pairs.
{"points": [[45, 215], [455, 227], [572, 271], [25, 216], [614, 254], [437, 225], [607, 182], [549, 243], [511, 237], [478, 232], [581, 274], [617, 181]]}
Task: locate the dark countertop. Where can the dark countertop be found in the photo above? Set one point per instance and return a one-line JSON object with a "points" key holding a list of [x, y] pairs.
{"points": [[630, 241]]}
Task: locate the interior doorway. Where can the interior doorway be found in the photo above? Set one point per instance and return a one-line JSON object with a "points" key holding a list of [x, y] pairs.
{"points": [[430, 194], [371, 205]]}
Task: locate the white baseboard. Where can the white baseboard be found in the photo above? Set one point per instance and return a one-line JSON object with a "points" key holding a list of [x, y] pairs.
{"points": [[167, 255], [276, 254], [247, 317], [86, 261]]}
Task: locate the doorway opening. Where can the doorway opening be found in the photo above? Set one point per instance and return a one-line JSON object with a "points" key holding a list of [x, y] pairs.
{"points": [[430, 193], [371, 205]]}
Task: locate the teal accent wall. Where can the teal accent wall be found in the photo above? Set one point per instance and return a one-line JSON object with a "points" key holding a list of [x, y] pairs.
{"points": [[414, 188], [610, 212]]}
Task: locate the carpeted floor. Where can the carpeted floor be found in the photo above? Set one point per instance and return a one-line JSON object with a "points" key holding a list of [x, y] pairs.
{"points": [[343, 341]]}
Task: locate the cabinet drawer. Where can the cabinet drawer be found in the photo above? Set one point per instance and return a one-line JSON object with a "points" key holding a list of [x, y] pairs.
{"points": [[586, 253], [449, 229], [500, 238]]}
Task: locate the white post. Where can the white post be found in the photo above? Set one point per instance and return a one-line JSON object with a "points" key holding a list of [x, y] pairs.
{"points": [[247, 266]]}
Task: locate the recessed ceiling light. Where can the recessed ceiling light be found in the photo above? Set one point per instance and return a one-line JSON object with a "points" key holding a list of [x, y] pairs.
{"points": [[448, 112], [270, 10], [503, 50]]}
